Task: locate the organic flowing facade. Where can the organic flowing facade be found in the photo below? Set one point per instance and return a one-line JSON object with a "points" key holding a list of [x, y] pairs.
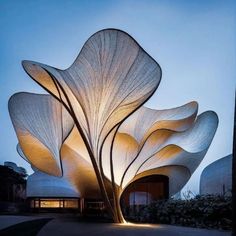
{"points": [[93, 129]]}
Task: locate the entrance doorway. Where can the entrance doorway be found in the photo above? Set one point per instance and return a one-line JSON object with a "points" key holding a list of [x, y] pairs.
{"points": [[143, 192]]}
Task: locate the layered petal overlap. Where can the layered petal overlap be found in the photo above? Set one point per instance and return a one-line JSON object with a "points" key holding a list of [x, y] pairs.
{"points": [[111, 77], [177, 140], [93, 131]]}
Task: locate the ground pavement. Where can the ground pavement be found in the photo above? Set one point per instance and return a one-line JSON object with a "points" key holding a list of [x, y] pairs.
{"points": [[9, 220], [72, 226]]}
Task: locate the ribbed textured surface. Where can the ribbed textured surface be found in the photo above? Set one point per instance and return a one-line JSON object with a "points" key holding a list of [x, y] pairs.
{"points": [[150, 139], [109, 79], [41, 124]]}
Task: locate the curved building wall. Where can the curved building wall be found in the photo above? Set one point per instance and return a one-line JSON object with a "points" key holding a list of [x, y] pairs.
{"points": [[216, 178], [40, 184]]}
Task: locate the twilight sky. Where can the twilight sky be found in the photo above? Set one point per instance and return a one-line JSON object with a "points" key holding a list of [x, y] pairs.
{"points": [[193, 41]]}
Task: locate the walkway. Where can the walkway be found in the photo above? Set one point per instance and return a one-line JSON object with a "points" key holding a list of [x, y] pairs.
{"points": [[71, 227], [9, 220]]}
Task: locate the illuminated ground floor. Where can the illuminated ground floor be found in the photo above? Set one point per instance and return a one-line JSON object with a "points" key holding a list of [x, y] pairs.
{"points": [[77, 205], [142, 192]]}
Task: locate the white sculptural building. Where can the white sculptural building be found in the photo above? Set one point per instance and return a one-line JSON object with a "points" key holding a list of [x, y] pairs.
{"points": [[216, 178], [93, 134]]}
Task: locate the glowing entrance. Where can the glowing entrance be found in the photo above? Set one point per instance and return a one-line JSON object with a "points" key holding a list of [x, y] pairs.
{"points": [[145, 191]]}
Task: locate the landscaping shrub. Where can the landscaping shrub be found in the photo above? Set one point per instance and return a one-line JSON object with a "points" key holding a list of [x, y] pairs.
{"points": [[205, 211]]}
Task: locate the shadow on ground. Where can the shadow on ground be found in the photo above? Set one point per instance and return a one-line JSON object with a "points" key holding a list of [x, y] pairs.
{"points": [[28, 228]]}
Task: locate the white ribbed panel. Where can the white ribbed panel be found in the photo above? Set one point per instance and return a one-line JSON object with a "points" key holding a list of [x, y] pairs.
{"points": [[109, 79], [41, 124], [147, 142]]}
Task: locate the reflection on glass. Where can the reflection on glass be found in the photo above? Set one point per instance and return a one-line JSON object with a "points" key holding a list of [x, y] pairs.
{"points": [[54, 203], [50, 204], [71, 204]]}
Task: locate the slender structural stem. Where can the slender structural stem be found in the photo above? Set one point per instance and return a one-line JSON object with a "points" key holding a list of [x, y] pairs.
{"points": [[115, 189], [91, 155], [113, 180]]}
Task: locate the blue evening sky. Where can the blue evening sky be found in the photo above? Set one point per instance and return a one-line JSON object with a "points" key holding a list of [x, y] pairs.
{"points": [[193, 41]]}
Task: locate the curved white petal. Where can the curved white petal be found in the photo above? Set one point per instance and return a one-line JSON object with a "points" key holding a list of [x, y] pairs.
{"points": [[20, 152], [165, 147], [111, 77], [186, 148], [109, 80], [144, 121], [41, 125], [173, 155], [80, 173]]}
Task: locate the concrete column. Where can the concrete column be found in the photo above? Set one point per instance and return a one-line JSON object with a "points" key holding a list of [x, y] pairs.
{"points": [[81, 206]]}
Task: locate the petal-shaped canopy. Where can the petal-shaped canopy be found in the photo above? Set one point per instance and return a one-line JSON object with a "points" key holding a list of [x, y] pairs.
{"points": [[135, 130], [77, 166], [146, 120], [94, 131], [183, 143], [78, 172], [41, 124], [111, 78], [185, 148], [180, 147]]}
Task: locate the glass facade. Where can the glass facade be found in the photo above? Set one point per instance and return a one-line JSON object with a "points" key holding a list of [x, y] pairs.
{"points": [[54, 203]]}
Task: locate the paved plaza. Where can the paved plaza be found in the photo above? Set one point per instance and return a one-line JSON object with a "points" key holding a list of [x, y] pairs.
{"points": [[66, 226]]}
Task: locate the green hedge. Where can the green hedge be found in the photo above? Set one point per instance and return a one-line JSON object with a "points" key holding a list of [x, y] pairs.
{"points": [[206, 211]]}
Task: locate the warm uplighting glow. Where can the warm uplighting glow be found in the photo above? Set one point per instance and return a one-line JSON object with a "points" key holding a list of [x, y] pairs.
{"points": [[98, 136], [129, 224]]}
